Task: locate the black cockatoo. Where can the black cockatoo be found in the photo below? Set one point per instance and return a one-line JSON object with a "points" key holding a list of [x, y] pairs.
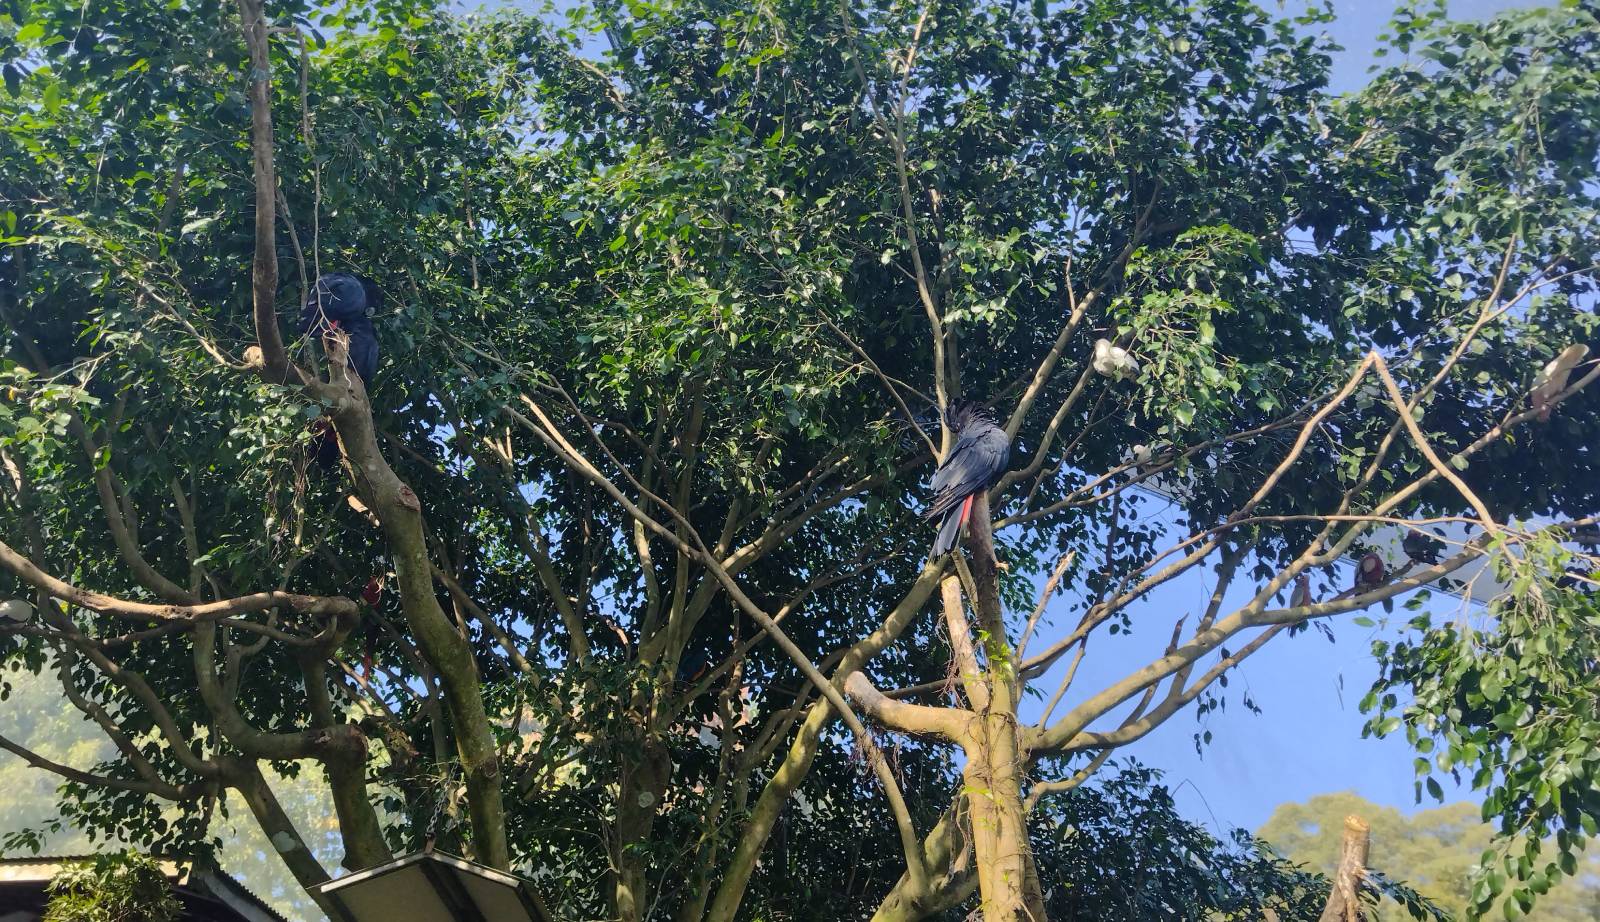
{"points": [[1421, 547], [345, 302], [977, 458]]}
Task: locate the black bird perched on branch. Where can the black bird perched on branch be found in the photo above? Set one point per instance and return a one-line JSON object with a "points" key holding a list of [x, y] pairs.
{"points": [[977, 458], [1421, 547], [342, 302], [345, 302]]}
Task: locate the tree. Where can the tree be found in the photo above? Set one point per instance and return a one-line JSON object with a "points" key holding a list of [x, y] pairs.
{"points": [[34, 821], [1118, 850], [1434, 850], [1504, 703], [111, 889], [636, 486]]}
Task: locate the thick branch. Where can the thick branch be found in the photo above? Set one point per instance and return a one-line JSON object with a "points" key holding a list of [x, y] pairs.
{"points": [[24, 569], [917, 719], [264, 271]]}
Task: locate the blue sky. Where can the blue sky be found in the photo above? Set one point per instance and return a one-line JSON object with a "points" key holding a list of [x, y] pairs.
{"points": [[1360, 22], [1307, 740]]}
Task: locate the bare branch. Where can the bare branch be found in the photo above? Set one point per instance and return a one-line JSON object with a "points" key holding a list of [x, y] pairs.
{"points": [[264, 285], [163, 790], [917, 719], [1045, 595], [24, 569]]}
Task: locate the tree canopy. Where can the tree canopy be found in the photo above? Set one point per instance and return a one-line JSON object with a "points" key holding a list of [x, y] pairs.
{"points": [[619, 579], [1433, 849]]}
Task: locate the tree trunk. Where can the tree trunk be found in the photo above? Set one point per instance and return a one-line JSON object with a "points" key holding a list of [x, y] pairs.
{"points": [[999, 826], [643, 784], [399, 513], [1008, 887], [245, 777], [1344, 903], [396, 506], [344, 759]]}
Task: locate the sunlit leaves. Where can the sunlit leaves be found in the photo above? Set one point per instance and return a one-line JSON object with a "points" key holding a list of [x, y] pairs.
{"points": [[1509, 707]]}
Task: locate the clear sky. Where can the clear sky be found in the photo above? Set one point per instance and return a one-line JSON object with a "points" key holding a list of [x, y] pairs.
{"points": [[1307, 740]]}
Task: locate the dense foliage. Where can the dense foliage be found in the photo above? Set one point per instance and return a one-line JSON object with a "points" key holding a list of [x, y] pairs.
{"points": [[111, 888], [631, 502], [1119, 851]]}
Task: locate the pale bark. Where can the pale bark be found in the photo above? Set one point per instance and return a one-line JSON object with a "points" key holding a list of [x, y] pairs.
{"points": [[947, 852], [993, 780], [246, 778], [1344, 903], [995, 760]]}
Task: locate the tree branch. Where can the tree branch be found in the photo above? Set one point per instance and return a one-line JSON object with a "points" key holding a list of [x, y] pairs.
{"points": [[264, 272], [916, 719]]}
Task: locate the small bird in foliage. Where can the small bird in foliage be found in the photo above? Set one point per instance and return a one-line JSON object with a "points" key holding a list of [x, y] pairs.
{"points": [[1141, 456], [1369, 572], [1553, 378], [343, 302], [1421, 547], [978, 456]]}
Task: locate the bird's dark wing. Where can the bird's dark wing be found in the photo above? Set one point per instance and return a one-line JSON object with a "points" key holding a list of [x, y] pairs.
{"points": [[338, 296], [363, 349], [953, 475], [977, 459]]}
